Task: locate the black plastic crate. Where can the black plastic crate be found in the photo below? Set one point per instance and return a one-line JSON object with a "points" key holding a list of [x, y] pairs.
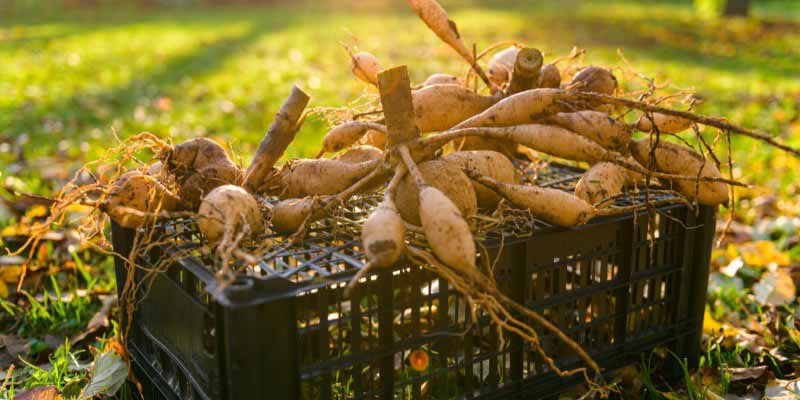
{"points": [[619, 286]]}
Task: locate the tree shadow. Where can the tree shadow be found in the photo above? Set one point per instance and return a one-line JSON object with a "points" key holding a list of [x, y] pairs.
{"points": [[123, 100]]}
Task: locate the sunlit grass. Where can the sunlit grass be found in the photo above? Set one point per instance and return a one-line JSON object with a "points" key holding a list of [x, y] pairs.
{"points": [[83, 78]]}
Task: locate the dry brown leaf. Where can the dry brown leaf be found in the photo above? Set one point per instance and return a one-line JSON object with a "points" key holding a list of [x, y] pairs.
{"points": [[40, 393], [14, 345], [742, 374]]}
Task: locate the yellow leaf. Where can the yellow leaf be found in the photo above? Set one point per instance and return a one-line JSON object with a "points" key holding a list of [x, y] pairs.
{"points": [[36, 211], [10, 273], [3, 290], [763, 253], [712, 327]]}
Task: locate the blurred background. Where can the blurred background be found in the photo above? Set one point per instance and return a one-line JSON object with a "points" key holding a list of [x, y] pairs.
{"points": [[76, 75], [76, 72]]}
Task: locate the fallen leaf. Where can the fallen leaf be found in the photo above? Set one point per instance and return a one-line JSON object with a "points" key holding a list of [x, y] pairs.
{"points": [[712, 327], [109, 373], [776, 288], [762, 253], [14, 345], [99, 319], [782, 390], [742, 374], [40, 393]]}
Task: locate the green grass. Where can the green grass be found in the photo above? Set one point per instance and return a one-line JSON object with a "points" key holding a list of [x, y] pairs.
{"points": [[74, 80]]}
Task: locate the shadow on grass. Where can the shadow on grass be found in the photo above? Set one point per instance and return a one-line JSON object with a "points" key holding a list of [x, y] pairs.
{"points": [[122, 100]]}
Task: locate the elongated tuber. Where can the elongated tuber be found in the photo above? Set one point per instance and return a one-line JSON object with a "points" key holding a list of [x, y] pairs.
{"points": [[304, 177], [345, 135], [365, 66], [676, 159], [601, 181], [552, 205], [597, 126], [445, 176], [487, 163], [668, 124], [440, 107], [360, 153]]}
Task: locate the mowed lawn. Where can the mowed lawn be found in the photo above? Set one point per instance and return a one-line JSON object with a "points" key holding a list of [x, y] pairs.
{"points": [[71, 81]]}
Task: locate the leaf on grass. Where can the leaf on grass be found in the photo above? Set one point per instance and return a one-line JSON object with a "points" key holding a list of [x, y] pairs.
{"points": [[743, 374], [712, 327], [40, 393], [14, 345], [99, 319], [109, 373], [762, 253], [776, 288], [782, 390]]}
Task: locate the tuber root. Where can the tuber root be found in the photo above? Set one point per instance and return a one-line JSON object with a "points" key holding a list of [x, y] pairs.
{"points": [[680, 160], [597, 126], [227, 211], [487, 163]]}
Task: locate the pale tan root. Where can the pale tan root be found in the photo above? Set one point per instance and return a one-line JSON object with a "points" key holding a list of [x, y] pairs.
{"points": [[598, 126], [382, 235], [314, 177], [594, 79], [501, 64], [192, 155], [135, 191], [552, 140], [718, 123], [488, 163], [676, 159], [435, 17], [360, 153], [441, 79], [445, 228], [668, 124], [521, 108], [443, 175], [365, 67], [552, 205], [291, 216], [522, 135], [374, 138], [347, 134], [198, 183], [601, 181], [231, 208], [440, 107], [550, 77]]}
